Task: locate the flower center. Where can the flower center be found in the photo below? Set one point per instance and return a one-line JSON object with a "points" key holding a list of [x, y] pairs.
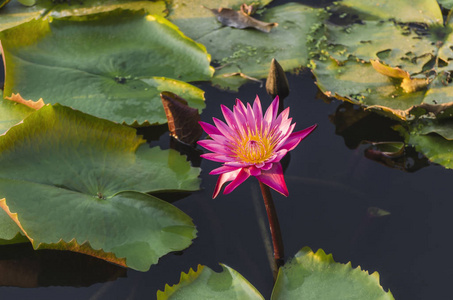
{"points": [[254, 149]]}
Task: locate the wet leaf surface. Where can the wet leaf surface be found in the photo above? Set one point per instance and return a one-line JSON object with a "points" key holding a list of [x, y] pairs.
{"points": [[97, 66], [86, 192]]}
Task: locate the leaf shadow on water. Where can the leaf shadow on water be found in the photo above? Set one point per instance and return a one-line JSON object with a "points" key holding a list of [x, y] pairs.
{"points": [[21, 266]]}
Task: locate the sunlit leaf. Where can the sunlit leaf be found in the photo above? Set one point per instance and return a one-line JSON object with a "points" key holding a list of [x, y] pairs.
{"points": [[75, 182], [111, 65], [11, 113], [422, 11], [243, 55], [207, 284], [395, 44], [360, 83], [317, 276], [15, 13]]}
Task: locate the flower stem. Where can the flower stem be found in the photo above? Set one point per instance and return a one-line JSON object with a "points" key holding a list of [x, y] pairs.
{"points": [[274, 226]]}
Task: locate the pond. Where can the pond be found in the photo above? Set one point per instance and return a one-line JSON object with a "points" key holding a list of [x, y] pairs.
{"points": [[335, 195]]}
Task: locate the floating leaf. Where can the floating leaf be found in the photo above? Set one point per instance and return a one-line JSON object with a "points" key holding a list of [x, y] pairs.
{"points": [[182, 119], [317, 276], [11, 113], [15, 13], [433, 138], [406, 11], [97, 66], [195, 21], [359, 83], [242, 54], [395, 44], [75, 182], [307, 276], [241, 20], [10, 233], [207, 284]]}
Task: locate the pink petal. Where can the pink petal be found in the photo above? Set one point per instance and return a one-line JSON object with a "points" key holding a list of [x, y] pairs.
{"points": [[214, 146], [295, 138], [223, 169], [217, 157], [257, 111], [229, 116], [274, 179], [271, 111], [208, 128], [251, 119], [223, 128], [225, 177], [254, 171], [237, 164], [240, 178], [279, 155], [240, 107]]}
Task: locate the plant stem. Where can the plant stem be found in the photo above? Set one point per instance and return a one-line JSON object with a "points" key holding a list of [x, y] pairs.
{"points": [[274, 226]]}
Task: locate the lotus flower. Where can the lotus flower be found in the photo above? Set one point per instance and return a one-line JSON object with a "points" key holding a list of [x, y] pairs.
{"points": [[250, 144]]}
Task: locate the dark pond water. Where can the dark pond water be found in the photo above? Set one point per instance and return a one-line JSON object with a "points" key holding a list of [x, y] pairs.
{"points": [[331, 189]]}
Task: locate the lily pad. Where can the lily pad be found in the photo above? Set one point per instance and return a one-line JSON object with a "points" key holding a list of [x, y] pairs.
{"points": [[96, 65], [207, 284], [307, 276], [195, 19], [11, 113], [317, 276], [406, 11], [15, 13], [75, 182], [395, 44], [432, 138], [246, 54], [359, 83]]}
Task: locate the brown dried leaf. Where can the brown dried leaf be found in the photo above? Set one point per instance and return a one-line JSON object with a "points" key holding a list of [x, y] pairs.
{"points": [[240, 19], [182, 119], [30, 103], [408, 84]]}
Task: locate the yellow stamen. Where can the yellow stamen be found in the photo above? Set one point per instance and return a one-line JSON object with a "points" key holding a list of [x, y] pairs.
{"points": [[253, 148]]}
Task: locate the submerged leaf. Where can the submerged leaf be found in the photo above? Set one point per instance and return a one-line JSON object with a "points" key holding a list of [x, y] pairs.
{"points": [[97, 66], [239, 19], [85, 193], [207, 284], [317, 276]]}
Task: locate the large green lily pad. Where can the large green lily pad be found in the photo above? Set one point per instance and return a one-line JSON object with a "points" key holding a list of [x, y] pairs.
{"points": [[11, 113], [111, 65], [317, 276], [359, 83], [307, 276], [14, 13], [246, 54], [411, 63], [406, 11], [75, 182], [207, 284], [395, 44]]}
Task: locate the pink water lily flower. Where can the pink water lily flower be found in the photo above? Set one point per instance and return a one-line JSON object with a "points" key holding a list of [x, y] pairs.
{"points": [[250, 144]]}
